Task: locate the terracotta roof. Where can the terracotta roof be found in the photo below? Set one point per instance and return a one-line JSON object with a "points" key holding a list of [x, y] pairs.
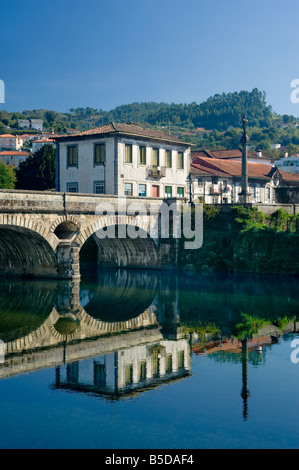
{"points": [[128, 128], [7, 135], [226, 154], [233, 168], [201, 170], [290, 178], [43, 140], [218, 167], [14, 152]]}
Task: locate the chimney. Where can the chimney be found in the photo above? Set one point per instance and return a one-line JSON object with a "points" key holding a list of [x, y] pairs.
{"points": [[259, 153]]}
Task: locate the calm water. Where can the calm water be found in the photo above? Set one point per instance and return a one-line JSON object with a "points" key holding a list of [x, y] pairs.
{"points": [[124, 360]]}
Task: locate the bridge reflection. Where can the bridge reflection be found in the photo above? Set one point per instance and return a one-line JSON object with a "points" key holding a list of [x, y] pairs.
{"points": [[132, 330], [113, 337]]}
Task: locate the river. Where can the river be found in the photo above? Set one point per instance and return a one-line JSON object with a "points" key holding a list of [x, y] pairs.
{"points": [[129, 359]]}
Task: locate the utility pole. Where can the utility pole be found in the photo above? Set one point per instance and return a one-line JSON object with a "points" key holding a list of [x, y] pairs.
{"points": [[244, 195]]}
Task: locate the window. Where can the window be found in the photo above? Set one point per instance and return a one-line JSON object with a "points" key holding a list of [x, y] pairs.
{"points": [[180, 192], [99, 374], [142, 156], [168, 159], [72, 187], [155, 190], [168, 191], [199, 180], [155, 157], [128, 153], [142, 190], [181, 359], [268, 192], [169, 363], [99, 154], [142, 371], [72, 156], [180, 165], [129, 374], [99, 187], [128, 189]]}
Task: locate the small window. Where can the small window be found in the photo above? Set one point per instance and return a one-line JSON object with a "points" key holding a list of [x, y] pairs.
{"points": [[72, 156], [72, 187], [180, 161], [129, 374], [155, 157], [142, 190], [128, 189], [99, 154], [168, 191], [168, 159], [180, 192], [142, 371], [200, 182], [128, 153], [169, 363], [181, 359], [142, 156], [268, 192], [99, 187]]}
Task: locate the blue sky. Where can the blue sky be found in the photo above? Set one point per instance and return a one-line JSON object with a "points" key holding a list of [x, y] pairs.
{"points": [[73, 53]]}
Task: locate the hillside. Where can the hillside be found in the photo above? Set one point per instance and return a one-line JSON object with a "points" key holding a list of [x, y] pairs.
{"points": [[214, 123]]}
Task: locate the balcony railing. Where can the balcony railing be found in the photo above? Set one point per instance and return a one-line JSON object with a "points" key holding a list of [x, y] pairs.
{"points": [[156, 171]]}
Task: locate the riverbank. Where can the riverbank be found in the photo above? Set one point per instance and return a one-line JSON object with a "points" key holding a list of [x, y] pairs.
{"points": [[246, 240]]}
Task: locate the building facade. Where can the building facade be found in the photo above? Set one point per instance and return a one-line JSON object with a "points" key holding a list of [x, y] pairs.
{"points": [[122, 159], [39, 143], [289, 164], [10, 142], [217, 181], [14, 158]]}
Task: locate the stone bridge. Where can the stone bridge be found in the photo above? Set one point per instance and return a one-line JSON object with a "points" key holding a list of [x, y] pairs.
{"points": [[42, 233]]}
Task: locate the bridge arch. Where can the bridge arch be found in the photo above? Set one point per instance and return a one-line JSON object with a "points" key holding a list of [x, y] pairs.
{"points": [[25, 250], [138, 251], [65, 227]]}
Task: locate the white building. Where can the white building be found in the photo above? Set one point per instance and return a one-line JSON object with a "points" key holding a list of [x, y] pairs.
{"points": [[39, 143], [10, 157], [10, 142], [36, 124], [123, 159], [217, 181], [289, 164]]}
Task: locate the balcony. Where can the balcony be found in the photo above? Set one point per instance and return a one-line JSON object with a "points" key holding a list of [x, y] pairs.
{"points": [[156, 171]]}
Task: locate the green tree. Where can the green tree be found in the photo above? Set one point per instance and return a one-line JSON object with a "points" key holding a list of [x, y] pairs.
{"points": [[7, 177], [38, 171]]}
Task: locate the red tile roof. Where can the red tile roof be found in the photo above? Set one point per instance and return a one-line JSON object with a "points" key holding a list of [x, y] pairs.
{"points": [[219, 167], [128, 128], [14, 152], [226, 154]]}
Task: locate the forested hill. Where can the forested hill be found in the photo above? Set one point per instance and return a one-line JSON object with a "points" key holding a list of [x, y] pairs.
{"points": [[218, 112], [214, 123]]}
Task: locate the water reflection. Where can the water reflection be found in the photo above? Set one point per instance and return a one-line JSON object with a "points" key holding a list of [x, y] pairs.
{"points": [[118, 333]]}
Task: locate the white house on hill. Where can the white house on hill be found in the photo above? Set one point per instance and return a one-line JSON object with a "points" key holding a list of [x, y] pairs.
{"points": [[122, 159]]}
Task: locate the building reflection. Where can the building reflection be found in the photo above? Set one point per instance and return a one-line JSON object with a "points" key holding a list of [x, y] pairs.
{"points": [[114, 337], [128, 331], [128, 371]]}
